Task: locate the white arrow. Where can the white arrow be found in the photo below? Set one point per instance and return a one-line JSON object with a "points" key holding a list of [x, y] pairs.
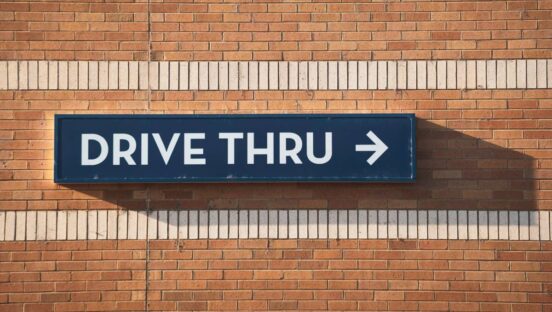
{"points": [[378, 148]]}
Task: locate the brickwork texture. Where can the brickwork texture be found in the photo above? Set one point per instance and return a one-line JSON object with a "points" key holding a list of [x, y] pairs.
{"points": [[488, 149]]}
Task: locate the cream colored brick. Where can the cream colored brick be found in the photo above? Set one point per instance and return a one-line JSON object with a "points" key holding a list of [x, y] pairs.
{"points": [[401, 75], [461, 82], [481, 74], [511, 74], [20, 223], [303, 75], [213, 76], [243, 224], [132, 224], [493, 225], [92, 224], [223, 224], [541, 74], [41, 220], [253, 76], [162, 224], [412, 75], [43, 75], [143, 71], [362, 75], [63, 68], [283, 75], [501, 74], [382, 75], [13, 75], [61, 225], [33, 75], [72, 224], [332, 76], [332, 224], [303, 226], [173, 223], [521, 74], [421, 69], [513, 229], [382, 222], [523, 225], [123, 75], [423, 225], [353, 75], [233, 223], [174, 75], [82, 221], [233, 76], [273, 75], [153, 76], [203, 75], [9, 228], [293, 230], [544, 225], [362, 224], [471, 74], [482, 226], [313, 75], [451, 74], [23, 75], [353, 224], [412, 224], [392, 225], [283, 224], [122, 224], [213, 224], [134, 75], [184, 76], [534, 225], [432, 75], [531, 74], [372, 75], [503, 227], [312, 227], [51, 225], [102, 224], [253, 223], [103, 75], [164, 75], [3, 75], [83, 75], [491, 74], [30, 226], [112, 224], [203, 228], [441, 75], [93, 75]]}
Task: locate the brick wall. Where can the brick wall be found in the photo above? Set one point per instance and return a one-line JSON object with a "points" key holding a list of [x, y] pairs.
{"points": [[276, 275], [477, 149]]}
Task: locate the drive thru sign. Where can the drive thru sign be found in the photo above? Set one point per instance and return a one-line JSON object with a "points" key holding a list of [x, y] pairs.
{"points": [[195, 148]]}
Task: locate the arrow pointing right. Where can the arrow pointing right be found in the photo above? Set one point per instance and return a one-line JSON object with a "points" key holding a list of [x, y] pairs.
{"points": [[378, 148]]}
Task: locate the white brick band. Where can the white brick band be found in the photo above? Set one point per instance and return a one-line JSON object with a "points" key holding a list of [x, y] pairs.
{"points": [[275, 224], [275, 75]]}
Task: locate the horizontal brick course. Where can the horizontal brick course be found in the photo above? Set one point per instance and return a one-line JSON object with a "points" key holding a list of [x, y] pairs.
{"points": [[321, 75], [281, 224]]}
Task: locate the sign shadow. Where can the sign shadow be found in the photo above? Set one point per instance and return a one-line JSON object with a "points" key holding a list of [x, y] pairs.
{"points": [[456, 170]]}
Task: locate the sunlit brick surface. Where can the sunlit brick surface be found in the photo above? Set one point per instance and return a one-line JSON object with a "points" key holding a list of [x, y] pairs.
{"points": [[484, 115]]}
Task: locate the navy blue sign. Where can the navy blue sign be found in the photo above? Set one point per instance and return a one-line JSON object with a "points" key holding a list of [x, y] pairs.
{"points": [[194, 148]]}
